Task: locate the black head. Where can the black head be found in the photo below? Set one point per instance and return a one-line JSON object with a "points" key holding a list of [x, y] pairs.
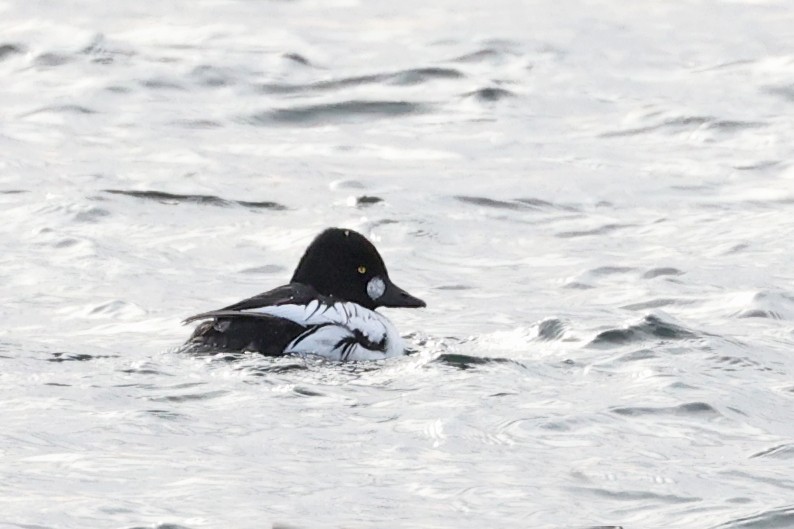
{"points": [[345, 265]]}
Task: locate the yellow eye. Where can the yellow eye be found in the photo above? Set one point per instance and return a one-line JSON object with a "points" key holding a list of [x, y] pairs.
{"points": [[362, 269]]}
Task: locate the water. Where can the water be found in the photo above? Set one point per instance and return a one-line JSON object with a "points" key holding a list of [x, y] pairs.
{"points": [[594, 198]]}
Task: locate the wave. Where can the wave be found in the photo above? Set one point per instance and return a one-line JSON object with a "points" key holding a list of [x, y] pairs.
{"points": [[174, 198], [411, 76], [336, 112], [651, 327]]}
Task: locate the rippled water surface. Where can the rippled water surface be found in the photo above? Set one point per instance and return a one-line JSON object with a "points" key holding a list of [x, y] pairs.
{"points": [[595, 198]]}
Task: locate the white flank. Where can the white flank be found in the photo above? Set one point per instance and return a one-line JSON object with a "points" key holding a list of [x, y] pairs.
{"points": [[330, 328]]}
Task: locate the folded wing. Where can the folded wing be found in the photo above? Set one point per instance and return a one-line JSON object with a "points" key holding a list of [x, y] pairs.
{"points": [[314, 324]]}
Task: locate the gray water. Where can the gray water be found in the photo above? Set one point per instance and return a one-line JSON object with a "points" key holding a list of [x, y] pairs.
{"points": [[595, 199]]}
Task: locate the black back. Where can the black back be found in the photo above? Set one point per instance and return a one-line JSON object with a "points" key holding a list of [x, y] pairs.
{"points": [[265, 335]]}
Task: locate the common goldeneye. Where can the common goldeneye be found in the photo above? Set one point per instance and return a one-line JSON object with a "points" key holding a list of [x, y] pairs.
{"points": [[327, 309]]}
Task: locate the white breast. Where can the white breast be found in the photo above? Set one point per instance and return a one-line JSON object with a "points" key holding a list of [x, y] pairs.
{"points": [[331, 330]]}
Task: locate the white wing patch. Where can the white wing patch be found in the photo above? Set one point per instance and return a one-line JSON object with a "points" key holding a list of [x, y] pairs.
{"points": [[335, 331]]}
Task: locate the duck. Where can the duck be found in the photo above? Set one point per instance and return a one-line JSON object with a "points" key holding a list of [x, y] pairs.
{"points": [[328, 309]]}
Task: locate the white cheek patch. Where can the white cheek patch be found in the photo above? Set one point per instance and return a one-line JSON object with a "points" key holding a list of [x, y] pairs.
{"points": [[375, 288]]}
